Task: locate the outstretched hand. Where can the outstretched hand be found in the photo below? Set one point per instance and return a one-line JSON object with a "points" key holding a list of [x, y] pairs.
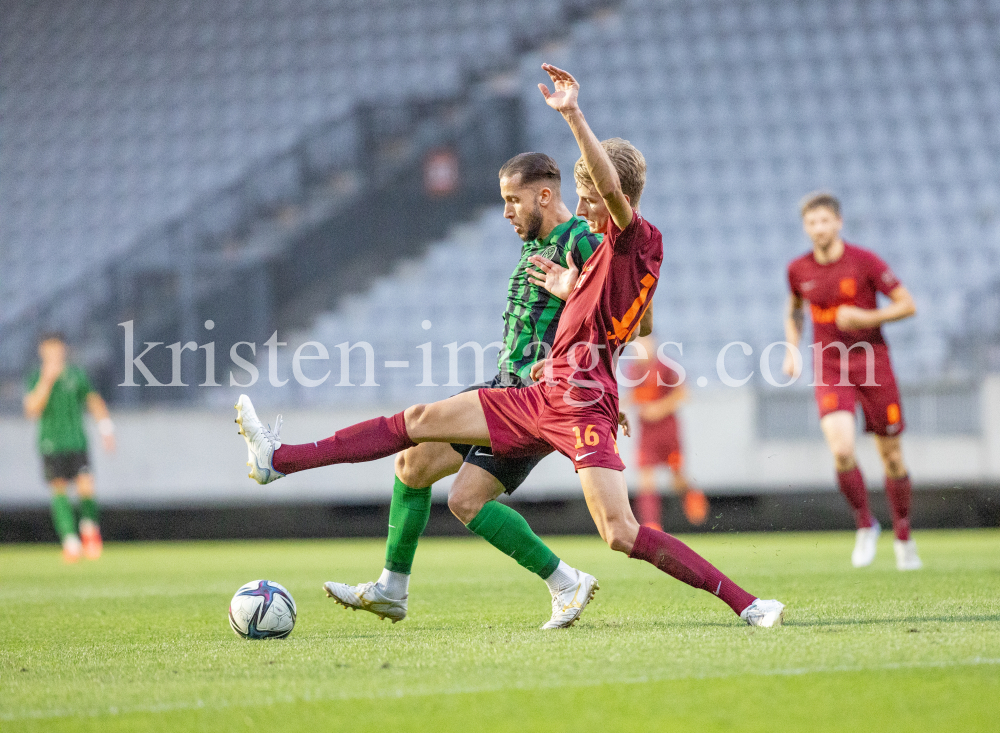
{"points": [[567, 89], [538, 370], [553, 277]]}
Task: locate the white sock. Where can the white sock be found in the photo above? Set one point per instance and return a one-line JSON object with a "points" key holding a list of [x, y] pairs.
{"points": [[563, 577], [394, 585], [87, 525]]}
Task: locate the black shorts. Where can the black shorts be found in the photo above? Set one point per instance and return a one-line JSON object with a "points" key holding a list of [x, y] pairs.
{"points": [[510, 472], [65, 466]]}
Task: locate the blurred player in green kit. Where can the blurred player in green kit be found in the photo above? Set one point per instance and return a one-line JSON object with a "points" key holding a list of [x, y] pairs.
{"points": [[57, 393]]}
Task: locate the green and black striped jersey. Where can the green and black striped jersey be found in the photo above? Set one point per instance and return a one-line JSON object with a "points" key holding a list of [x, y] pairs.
{"points": [[532, 312]]}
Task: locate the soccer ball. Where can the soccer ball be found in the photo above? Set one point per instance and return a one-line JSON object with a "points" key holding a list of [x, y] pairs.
{"points": [[262, 609]]}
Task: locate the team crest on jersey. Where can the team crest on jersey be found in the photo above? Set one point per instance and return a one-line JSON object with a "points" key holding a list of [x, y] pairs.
{"points": [[848, 287], [550, 252]]}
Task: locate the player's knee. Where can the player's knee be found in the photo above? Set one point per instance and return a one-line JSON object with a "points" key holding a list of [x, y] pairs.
{"points": [[465, 507], [411, 470], [843, 455], [415, 418], [894, 466]]}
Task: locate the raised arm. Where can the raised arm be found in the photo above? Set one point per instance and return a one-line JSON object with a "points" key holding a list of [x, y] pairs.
{"points": [[564, 100]]}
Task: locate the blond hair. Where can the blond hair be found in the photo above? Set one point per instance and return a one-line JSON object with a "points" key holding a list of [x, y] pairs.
{"points": [[628, 162], [819, 199]]}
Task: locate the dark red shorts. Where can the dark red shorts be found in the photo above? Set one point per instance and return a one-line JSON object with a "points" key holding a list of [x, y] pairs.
{"points": [[660, 444], [879, 398], [575, 421]]}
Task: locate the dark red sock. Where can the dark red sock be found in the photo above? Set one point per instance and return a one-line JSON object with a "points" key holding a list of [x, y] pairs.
{"points": [[898, 491], [647, 510], [675, 558], [365, 441], [852, 486]]}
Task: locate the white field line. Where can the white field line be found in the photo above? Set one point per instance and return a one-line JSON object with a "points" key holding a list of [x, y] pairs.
{"points": [[263, 702]]}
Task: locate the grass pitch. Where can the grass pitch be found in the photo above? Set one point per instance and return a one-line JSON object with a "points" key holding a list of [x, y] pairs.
{"points": [[139, 641]]}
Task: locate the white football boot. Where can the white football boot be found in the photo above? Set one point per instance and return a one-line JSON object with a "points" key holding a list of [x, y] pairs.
{"points": [[906, 555], [764, 613], [262, 442], [865, 544], [367, 597], [568, 604]]}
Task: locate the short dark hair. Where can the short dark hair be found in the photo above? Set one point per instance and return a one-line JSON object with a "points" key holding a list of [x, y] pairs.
{"points": [[817, 200], [51, 336], [532, 167]]}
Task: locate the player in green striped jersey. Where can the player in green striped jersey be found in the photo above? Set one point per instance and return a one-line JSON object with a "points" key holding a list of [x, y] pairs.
{"points": [[529, 184], [532, 312]]}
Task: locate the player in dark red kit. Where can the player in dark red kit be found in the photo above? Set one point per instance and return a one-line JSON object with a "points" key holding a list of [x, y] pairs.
{"points": [[851, 365], [657, 398], [575, 409]]}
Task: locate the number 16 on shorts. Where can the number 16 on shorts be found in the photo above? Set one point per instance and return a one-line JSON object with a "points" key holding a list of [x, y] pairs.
{"points": [[589, 436]]}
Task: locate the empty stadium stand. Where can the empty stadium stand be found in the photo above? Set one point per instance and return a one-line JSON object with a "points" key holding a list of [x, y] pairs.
{"points": [[117, 118], [120, 119], [741, 109]]}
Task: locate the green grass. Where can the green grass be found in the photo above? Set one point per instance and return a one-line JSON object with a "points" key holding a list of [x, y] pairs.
{"points": [[140, 641]]}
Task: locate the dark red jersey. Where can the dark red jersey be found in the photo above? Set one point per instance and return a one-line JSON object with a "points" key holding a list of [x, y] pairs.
{"points": [[660, 379], [854, 279], [611, 296]]}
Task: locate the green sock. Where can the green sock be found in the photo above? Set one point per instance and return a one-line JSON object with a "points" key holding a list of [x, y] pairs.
{"points": [[62, 516], [88, 509], [408, 515], [508, 531]]}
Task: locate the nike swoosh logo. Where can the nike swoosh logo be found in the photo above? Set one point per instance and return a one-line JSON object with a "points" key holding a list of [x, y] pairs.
{"points": [[479, 452], [580, 458]]}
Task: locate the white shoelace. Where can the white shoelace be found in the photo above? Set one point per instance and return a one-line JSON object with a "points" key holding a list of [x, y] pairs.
{"points": [[272, 435]]}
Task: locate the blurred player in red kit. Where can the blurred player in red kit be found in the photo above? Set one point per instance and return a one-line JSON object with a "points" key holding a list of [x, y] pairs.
{"points": [[658, 398], [851, 364]]}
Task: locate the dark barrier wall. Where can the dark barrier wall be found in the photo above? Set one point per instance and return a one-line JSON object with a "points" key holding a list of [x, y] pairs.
{"points": [[942, 508]]}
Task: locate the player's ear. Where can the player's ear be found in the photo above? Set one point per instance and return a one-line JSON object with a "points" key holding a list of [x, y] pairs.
{"points": [[544, 195]]}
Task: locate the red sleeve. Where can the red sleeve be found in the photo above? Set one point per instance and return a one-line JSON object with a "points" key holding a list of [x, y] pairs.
{"points": [[793, 281], [622, 240], [882, 276]]}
